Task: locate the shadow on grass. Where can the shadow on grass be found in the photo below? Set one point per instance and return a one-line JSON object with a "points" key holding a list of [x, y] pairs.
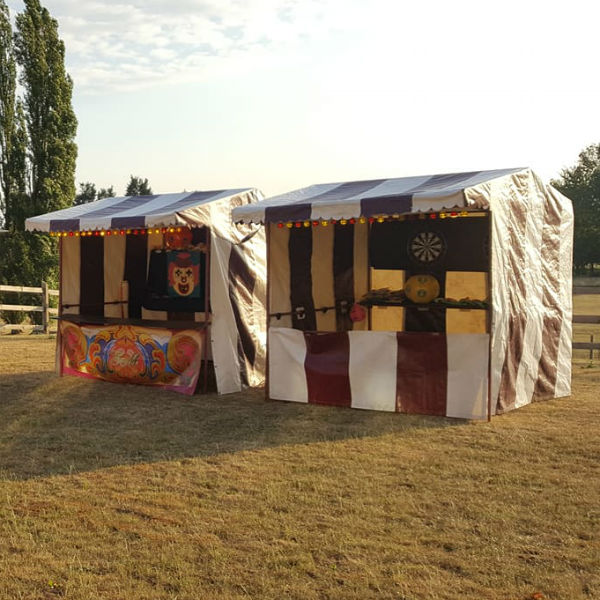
{"points": [[52, 425]]}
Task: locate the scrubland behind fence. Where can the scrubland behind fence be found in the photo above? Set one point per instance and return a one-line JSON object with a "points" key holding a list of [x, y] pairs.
{"points": [[44, 307]]}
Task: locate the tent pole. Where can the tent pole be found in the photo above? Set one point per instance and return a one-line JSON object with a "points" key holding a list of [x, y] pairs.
{"points": [[369, 278], [489, 312], [59, 361], [206, 308], [268, 307]]}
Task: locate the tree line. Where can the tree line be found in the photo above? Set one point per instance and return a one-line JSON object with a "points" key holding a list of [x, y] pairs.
{"points": [[88, 192], [581, 184]]}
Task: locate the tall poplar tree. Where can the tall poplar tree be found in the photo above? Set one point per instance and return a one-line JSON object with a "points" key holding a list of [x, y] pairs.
{"points": [[8, 84], [51, 122], [37, 141], [17, 200]]}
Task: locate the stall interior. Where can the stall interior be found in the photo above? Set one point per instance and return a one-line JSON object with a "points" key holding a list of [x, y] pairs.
{"points": [[141, 275], [335, 270], [447, 258]]}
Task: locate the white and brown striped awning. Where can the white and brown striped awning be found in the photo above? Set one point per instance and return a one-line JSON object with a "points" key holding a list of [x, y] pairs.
{"points": [[162, 210], [370, 198]]}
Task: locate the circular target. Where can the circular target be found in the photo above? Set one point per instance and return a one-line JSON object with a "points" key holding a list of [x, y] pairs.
{"points": [[426, 247]]}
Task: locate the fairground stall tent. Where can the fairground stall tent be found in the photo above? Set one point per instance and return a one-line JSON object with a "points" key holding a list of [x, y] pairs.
{"points": [[152, 287], [445, 295]]}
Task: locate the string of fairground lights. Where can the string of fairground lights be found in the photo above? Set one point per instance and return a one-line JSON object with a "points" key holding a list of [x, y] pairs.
{"points": [[108, 232], [288, 224], [379, 219]]}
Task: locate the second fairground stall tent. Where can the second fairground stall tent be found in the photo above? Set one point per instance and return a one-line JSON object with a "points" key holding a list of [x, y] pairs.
{"points": [[445, 294], [151, 287]]}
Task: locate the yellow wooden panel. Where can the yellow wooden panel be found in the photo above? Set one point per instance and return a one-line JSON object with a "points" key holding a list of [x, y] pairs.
{"points": [[465, 321], [462, 284], [381, 278], [387, 318]]}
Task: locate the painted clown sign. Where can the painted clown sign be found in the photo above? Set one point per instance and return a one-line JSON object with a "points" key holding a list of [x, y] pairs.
{"points": [[184, 274]]}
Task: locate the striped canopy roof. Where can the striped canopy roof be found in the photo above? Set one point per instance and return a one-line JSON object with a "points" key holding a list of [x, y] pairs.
{"points": [[367, 198], [130, 211]]}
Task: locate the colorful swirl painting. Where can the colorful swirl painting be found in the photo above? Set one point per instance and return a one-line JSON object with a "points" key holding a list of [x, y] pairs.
{"points": [[130, 354]]}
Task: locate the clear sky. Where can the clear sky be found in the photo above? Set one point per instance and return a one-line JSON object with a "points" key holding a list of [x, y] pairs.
{"points": [[279, 94]]}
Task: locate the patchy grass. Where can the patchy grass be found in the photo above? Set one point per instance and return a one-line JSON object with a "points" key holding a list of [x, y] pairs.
{"points": [[123, 492]]}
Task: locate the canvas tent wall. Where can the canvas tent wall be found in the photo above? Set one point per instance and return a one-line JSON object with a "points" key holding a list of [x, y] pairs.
{"points": [[109, 241], [503, 236]]}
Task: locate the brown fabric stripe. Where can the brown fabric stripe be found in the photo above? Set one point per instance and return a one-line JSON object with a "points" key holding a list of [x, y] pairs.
{"points": [[300, 253], [507, 394], [91, 297], [548, 368], [421, 373], [343, 275], [135, 272], [326, 366], [515, 259], [126, 203], [241, 292]]}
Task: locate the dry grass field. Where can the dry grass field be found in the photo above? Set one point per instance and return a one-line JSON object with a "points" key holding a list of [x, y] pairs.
{"points": [[127, 493]]}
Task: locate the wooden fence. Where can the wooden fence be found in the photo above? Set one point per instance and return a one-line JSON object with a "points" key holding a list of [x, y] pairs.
{"points": [[44, 308], [594, 319], [46, 311]]}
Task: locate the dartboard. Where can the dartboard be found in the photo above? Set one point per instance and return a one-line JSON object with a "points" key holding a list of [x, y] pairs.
{"points": [[426, 247]]}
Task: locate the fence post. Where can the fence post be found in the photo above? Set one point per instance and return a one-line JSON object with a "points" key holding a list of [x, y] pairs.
{"points": [[45, 306]]}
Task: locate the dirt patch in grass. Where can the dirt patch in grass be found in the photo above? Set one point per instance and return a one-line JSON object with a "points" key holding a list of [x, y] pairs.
{"points": [[125, 492]]}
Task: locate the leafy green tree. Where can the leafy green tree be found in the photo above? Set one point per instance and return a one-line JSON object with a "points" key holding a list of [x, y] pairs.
{"points": [[87, 193], [138, 187], [581, 183], [108, 192], [17, 202], [51, 122], [14, 202], [37, 141], [8, 84]]}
